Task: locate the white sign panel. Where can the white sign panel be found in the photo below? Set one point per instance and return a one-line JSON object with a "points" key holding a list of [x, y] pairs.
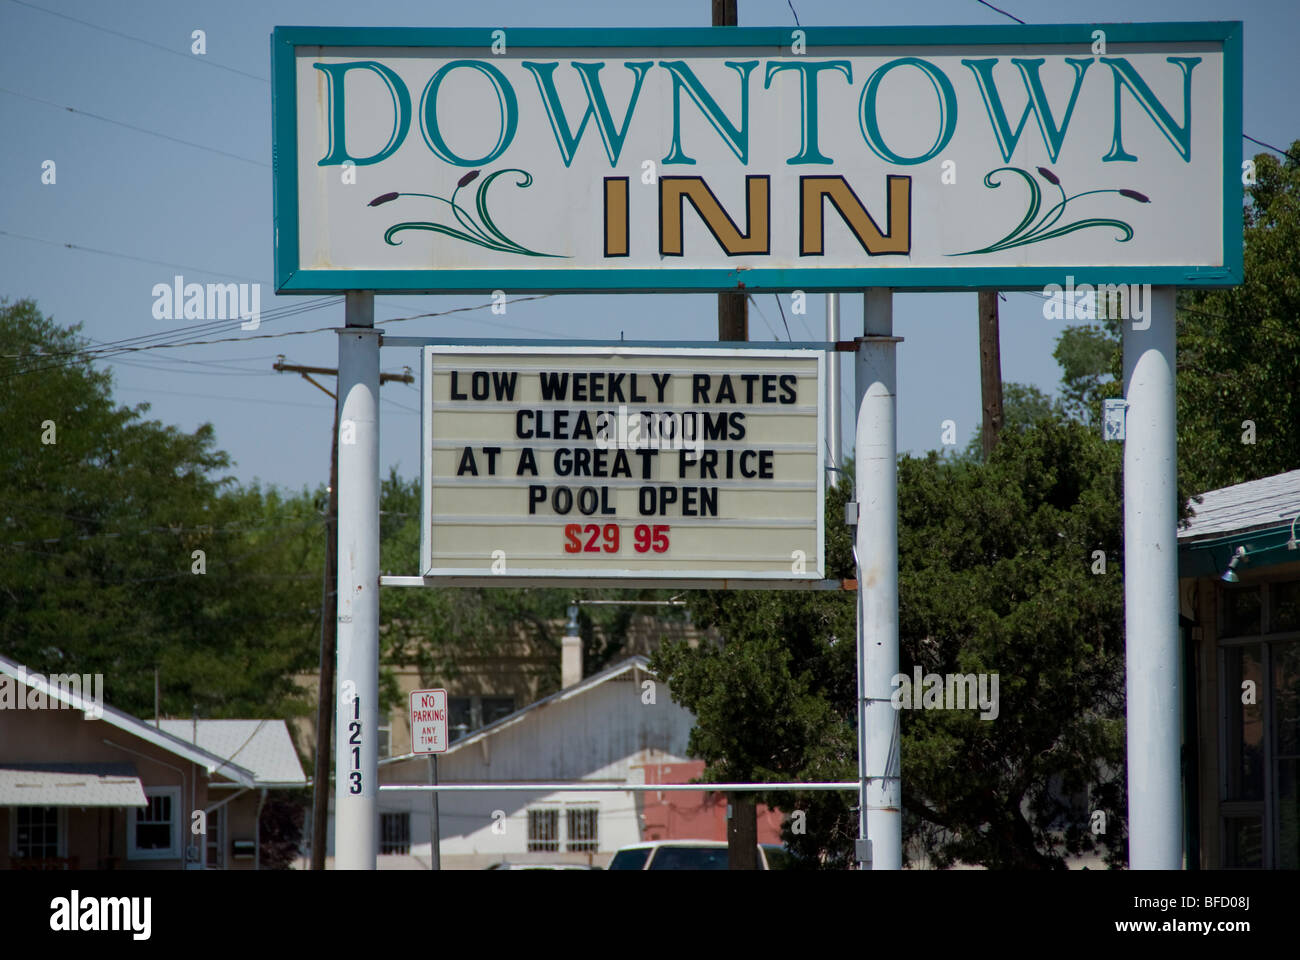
{"points": [[662, 463], [428, 721], [757, 158]]}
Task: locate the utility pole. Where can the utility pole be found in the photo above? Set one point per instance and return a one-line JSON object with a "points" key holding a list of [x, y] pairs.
{"points": [[733, 310], [733, 324], [329, 623], [990, 371]]}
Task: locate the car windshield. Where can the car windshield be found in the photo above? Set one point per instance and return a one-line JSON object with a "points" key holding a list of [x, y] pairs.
{"points": [[778, 858], [690, 858], [630, 859]]}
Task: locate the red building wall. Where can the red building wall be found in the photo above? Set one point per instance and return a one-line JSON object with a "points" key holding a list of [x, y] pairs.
{"points": [[691, 815]]}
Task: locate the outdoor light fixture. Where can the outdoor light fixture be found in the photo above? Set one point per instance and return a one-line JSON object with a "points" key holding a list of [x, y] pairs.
{"points": [[1291, 544], [1230, 575]]}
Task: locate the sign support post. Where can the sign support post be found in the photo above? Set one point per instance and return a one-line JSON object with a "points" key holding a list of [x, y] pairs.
{"points": [[435, 828], [1152, 661], [429, 735], [356, 756], [880, 816], [834, 431]]}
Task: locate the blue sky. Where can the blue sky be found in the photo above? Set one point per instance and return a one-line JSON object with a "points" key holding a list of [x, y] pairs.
{"points": [[135, 204]]}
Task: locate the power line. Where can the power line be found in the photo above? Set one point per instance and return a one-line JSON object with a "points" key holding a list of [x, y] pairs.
{"points": [[126, 345], [230, 399], [770, 328], [1284, 153], [777, 296], [125, 256], [1001, 11], [486, 323], [86, 355], [1245, 136], [131, 126], [148, 43], [167, 364]]}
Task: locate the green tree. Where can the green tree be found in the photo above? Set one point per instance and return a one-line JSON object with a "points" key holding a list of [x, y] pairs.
{"points": [[1022, 405], [997, 576], [1238, 348], [1090, 368], [777, 698], [124, 547]]}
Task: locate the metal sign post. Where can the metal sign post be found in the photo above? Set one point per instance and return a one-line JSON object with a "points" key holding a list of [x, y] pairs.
{"points": [[356, 754], [1152, 661], [880, 813], [429, 735]]}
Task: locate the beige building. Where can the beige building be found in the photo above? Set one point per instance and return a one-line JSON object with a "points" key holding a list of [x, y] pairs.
{"points": [[488, 687]]}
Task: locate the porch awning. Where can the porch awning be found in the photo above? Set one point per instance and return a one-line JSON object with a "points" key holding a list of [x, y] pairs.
{"points": [[70, 785]]}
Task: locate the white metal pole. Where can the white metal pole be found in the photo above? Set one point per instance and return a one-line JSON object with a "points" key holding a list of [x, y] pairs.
{"points": [[834, 431], [1155, 812], [356, 753], [876, 478]]}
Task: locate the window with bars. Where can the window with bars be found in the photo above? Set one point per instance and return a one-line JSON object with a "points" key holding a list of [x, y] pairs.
{"points": [[153, 830], [467, 714], [543, 830], [216, 840], [582, 836], [395, 833], [36, 832], [1259, 663]]}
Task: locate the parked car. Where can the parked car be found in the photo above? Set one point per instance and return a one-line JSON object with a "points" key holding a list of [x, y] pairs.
{"points": [[507, 865], [684, 855]]}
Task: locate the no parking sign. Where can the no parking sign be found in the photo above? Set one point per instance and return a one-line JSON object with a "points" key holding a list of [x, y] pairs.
{"points": [[428, 721]]}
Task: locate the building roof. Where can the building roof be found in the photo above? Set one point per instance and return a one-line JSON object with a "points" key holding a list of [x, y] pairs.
{"points": [[1245, 507], [70, 785], [262, 746], [211, 762], [637, 662]]}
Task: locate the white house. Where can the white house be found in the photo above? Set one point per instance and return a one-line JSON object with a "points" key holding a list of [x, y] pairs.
{"points": [[605, 729]]}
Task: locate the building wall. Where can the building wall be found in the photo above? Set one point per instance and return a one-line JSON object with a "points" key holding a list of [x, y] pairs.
{"points": [[687, 815], [97, 836], [1203, 600], [605, 733], [524, 669]]}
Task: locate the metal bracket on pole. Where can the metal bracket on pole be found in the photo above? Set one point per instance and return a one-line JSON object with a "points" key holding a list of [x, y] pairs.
{"points": [[1113, 417], [862, 853], [851, 346]]}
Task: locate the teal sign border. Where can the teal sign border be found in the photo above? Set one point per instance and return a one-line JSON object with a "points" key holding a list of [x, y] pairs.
{"points": [[290, 278]]}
